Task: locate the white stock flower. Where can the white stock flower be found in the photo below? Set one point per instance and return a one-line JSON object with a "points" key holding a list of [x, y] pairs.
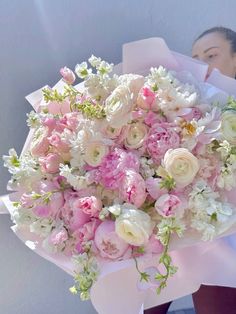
{"points": [[82, 70], [228, 126], [134, 82], [134, 226], [75, 180], [118, 106], [181, 165]]}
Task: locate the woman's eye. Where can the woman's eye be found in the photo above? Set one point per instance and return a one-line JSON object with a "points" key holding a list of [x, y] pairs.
{"points": [[211, 56]]}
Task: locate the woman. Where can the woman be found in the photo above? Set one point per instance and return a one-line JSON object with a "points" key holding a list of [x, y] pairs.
{"points": [[217, 48]]}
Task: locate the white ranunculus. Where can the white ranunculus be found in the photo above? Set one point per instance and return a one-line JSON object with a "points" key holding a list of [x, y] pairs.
{"points": [[228, 126], [134, 226], [118, 106], [94, 153], [136, 135], [181, 165]]}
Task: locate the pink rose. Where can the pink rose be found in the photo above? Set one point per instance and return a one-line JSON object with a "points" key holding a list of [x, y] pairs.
{"points": [[132, 188], [153, 186], [146, 99], [169, 205], [161, 137], [68, 75], [90, 205], [109, 244], [50, 163]]}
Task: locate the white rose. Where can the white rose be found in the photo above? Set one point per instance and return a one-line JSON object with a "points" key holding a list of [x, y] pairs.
{"points": [[228, 126], [94, 153], [134, 226], [181, 165], [118, 106], [133, 81], [136, 135]]}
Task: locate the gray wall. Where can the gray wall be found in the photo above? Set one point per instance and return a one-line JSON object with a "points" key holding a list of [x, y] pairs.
{"points": [[37, 37]]}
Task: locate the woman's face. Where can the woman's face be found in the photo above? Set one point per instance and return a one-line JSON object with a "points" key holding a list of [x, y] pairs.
{"points": [[215, 50]]}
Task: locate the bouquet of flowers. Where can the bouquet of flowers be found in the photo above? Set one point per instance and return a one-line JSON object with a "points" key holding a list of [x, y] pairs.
{"points": [[124, 167]]}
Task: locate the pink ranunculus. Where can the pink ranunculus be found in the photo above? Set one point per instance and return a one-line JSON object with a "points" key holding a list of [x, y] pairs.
{"points": [[132, 188], [169, 205], [56, 141], [153, 186], [90, 205], [68, 75], [58, 236], [109, 244], [50, 163], [114, 165], [146, 99], [160, 139], [153, 246]]}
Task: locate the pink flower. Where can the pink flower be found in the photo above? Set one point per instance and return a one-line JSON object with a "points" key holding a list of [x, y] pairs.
{"points": [[160, 139], [56, 141], [86, 233], [40, 144], [109, 244], [153, 118], [132, 188], [153, 186], [169, 205], [195, 114], [58, 107], [70, 121], [146, 99], [153, 246], [42, 210], [90, 205], [58, 236], [113, 166], [50, 123], [68, 75], [50, 163]]}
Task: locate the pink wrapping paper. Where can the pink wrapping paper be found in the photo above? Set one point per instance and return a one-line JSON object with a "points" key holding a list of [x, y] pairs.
{"points": [[198, 263]]}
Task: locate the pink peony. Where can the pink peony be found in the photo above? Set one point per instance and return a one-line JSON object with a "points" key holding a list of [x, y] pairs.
{"points": [[132, 188], [169, 205], [161, 138], [109, 244], [153, 118], [90, 205], [68, 75], [50, 163], [58, 236], [113, 166]]}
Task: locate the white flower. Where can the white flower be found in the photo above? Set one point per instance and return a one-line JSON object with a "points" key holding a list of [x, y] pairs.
{"points": [[228, 126], [118, 106], [82, 70], [94, 153], [136, 135], [134, 226], [94, 61], [226, 179], [115, 209], [134, 82], [221, 210], [12, 161], [181, 165], [76, 181]]}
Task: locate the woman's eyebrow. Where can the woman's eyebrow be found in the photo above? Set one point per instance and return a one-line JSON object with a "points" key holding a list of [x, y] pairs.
{"points": [[205, 51]]}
